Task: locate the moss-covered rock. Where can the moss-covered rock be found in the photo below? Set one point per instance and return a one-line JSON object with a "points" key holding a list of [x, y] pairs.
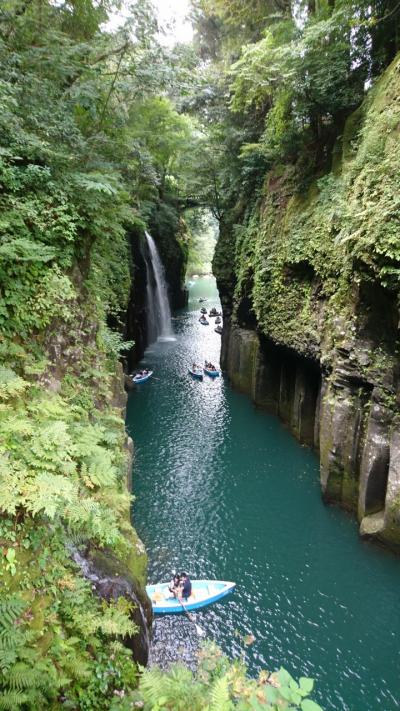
{"points": [[317, 274]]}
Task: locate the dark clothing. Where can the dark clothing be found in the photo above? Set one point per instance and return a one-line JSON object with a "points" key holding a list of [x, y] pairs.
{"points": [[187, 588]]}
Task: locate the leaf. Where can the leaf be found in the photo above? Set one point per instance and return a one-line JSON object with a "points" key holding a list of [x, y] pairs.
{"points": [[10, 555], [306, 684], [308, 705]]}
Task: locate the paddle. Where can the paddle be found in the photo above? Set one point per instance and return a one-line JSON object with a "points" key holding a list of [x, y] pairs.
{"points": [[190, 617]]}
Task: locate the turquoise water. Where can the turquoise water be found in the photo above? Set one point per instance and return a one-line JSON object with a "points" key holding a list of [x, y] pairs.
{"points": [[224, 491]]}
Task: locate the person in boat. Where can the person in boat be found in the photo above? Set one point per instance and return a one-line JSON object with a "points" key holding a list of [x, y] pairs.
{"points": [[186, 586], [175, 585]]}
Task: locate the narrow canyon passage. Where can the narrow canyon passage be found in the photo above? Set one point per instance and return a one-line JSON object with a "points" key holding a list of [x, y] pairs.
{"points": [[224, 491]]}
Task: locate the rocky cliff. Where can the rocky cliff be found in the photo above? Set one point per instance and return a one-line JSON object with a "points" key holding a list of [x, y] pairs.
{"points": [[311, 309]]}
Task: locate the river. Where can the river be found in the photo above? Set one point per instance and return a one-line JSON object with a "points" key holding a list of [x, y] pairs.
{"points": [[224, 491]]}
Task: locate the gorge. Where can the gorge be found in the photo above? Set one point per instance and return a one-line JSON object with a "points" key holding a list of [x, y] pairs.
{"points": [[122, 153], [223, 490]]}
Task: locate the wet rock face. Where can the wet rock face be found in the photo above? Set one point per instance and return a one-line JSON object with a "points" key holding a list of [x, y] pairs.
{"points": [[110, 581], [346, 410], [341, 427], [276, 378], [375, 460]]}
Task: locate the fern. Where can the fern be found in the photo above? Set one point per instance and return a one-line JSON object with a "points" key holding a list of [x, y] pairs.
{"points": [[11, 700], [116, 620], [47, 493], [11, 384], [13, 637], [11, 608], [51, 447], [10, 486], [100, 470], [87, 438], [219, 695], [153, 685], [22, 677], [75, 666]]}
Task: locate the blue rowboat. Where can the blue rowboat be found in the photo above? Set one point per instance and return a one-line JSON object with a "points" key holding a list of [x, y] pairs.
{"points": [[204, 321], [212, 373], [142, 378], [204, 592], [196, 374]]}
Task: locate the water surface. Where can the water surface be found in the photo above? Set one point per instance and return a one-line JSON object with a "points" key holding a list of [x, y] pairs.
{"points": [[224, 491]]}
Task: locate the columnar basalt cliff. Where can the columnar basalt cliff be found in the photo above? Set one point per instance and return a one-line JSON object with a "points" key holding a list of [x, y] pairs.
{"points": [[311, 310]]}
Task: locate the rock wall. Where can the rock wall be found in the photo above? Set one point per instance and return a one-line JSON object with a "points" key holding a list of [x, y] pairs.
{"points": [[349, 420], [309, 276]]}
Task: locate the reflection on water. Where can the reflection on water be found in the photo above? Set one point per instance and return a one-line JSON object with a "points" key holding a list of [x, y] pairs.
{"points": [[225, 492]]}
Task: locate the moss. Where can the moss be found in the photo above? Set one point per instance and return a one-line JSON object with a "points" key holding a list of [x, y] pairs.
{"points": [[300, 260]]}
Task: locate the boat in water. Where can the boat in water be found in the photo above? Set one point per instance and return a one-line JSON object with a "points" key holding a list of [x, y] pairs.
{"points": [[196, 373], [204, 592], [212, 373], [141, 378], [210, 369], [218, 330], [203, 310], [204, 321], [218, 319]]}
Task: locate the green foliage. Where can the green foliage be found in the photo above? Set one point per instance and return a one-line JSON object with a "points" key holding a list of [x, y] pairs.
{"points": [[303, 257], [221, 685]]}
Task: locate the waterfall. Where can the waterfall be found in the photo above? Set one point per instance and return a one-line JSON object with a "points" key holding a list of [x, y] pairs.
{"points": [[158, 311]]}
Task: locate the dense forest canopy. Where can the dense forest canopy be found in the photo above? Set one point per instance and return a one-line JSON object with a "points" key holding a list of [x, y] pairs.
{"points": [[281, 79], [105, 133]]}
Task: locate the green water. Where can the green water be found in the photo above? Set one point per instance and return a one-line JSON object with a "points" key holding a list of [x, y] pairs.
{"points": [[224, 491]]}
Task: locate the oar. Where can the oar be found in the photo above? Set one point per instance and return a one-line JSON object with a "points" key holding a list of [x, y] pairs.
{"points": [[190, 617]]}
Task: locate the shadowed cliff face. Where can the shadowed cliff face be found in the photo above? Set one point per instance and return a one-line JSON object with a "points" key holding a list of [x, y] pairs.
{"points": [[311, 314]]}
